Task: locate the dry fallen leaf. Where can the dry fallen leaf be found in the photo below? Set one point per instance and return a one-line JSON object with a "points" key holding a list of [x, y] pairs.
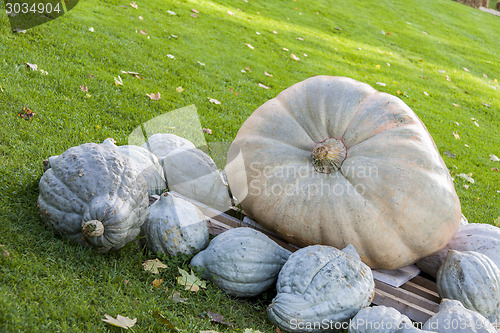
{"points": [[426, 93], [157, 282], [456, 105], [447, 78], [154, 97], [84, 88], [190, 281], [230, 13], [195, 11], [207, 130], [164, 320], [26, 113], [118, 81], [294, 57], [201, 64], [300, 38], [176, 298], [153, 266], [143, 32], [467, 177], [495, 169], [141, 18], [134, 74], [285, 49], [213, 100], [275, 32], [171, 12], [465, 69], [134, 5], [250, 330], [5, 253], [377, 66], [263, 86], [171, 56], [450, 154], [217, 318], [91, 29], [381, 84], [179, 89], [250, 46], [33, 67], [455, 134], [267, 74], [120, 321], [494, 158]]}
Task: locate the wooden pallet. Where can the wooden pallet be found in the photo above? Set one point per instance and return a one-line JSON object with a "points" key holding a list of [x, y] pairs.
{"points": [[418, 298]]}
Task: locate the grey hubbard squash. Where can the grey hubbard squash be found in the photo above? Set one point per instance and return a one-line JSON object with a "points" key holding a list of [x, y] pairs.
{"points": [[189, 171], [332, 161], [174, 226], [453, 317], [242, 262], [93, 195], [474, 280], [320, 284], [147, 163], [478, 237], [381, 319]]}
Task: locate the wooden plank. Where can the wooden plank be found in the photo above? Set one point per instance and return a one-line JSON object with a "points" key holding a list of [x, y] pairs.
{"points": [[422, 291], [408, 296], [420, 280], [413, 311]]}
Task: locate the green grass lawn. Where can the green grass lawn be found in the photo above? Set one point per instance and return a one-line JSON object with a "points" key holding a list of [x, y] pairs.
{"points": [[440, 57]]}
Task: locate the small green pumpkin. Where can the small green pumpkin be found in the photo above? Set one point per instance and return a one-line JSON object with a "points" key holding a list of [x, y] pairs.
{"points": [[242, 262], [174, 226], [93, 195], [320, 283]]}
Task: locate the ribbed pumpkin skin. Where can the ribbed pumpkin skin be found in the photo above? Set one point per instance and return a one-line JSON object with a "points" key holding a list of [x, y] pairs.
{"points": [[194, 174], [242, 262], [94, 182], [478, 237], [320, 283], [453, 317], [393, 198], [147, 163], [174, 226], [161, 144], [473, 279], [381, 319]]}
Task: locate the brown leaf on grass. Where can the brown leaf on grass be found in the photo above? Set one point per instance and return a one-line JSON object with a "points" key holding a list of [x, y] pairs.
{"points": [[153, 266], [250, 46], [157, 282], [195, 11], [465, 69], [426, 93], [5, 253], [263, 86], [141, 18], [179, 89], [26, 113], [455, 105], [294, 57], [447, 78], [134, 74], [143, 32], [267, 74], [194, 15], [176, 298], [164, 321], [213, 100], [450, 154], [207, 130], [230, 13], [84, 88], [218, 319], [120, 321], [494, 158], [495, 169], [133, 5], [33, 67], [457, 137], [154, 97], [300, 38]]}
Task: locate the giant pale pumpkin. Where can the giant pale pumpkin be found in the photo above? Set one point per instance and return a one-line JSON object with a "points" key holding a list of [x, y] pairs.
{"points": [[333, 161]]}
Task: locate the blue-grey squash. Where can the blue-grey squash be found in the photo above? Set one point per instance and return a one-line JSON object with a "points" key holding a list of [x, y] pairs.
{"points": [[93, 195], [320, 284], [174, 226], [242, 262], [381, 319], [453, 317]]}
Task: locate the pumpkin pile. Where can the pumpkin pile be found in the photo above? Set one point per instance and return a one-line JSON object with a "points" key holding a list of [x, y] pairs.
{"points": [[328, 164]]}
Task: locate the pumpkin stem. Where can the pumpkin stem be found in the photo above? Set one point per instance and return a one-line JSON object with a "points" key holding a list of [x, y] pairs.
{"points": [[93, 228], [328, 155]]}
